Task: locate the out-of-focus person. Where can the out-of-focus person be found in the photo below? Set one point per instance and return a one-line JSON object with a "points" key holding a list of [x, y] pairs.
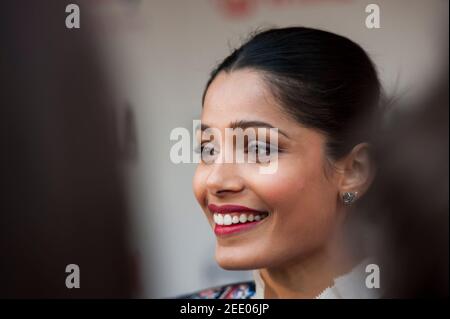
{"points": [[407, 210]]}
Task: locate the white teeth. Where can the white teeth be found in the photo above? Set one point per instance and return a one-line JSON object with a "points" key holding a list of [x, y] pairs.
{"points": [[219, 219], [243, 218], [228, 219]]}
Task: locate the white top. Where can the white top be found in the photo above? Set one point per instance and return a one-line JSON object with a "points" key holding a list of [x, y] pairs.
{"points": [[351, 285]]}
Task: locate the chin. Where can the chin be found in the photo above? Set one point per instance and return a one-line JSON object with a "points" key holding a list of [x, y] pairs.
{"points": [[232, 259], [228, 264]]}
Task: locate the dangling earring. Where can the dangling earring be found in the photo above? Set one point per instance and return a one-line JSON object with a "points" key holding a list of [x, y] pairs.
{"points": [[349, 197]]}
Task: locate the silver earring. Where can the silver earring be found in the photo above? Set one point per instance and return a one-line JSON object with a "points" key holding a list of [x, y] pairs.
{"points": [[349, 197]]}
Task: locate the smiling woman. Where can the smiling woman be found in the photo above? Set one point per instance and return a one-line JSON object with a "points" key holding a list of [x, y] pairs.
{"points": [[315, 88]]}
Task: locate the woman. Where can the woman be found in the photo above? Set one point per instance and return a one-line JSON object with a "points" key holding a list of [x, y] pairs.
{"points": [[315, 88]]}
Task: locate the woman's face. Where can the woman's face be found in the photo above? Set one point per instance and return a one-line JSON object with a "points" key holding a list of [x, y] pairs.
{"points": [[300, 198]]}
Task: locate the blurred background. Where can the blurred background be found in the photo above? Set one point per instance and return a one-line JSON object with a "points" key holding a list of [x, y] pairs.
{"points": [[152, 59]]}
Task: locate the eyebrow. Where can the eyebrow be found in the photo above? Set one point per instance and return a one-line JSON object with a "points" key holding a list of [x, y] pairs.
{"points": [[244, 125]]}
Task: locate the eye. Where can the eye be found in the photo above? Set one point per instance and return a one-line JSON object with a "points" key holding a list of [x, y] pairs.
{"points": [[208, 152], [262, 150]]}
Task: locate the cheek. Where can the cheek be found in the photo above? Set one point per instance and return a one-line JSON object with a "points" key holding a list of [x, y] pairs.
{"points": [[302, 200], [278, 189], [198, 184], [284, 187]]}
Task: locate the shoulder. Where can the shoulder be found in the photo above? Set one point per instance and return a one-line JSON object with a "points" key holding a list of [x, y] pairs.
{"points": [[240, 290]]}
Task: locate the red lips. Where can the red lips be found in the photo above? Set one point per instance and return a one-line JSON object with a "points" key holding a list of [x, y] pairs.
{"points": [[223, 209], [221, 230]]}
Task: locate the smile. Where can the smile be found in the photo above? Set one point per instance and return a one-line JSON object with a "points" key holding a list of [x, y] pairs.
{"points": [[230, 219], [237, 218]]}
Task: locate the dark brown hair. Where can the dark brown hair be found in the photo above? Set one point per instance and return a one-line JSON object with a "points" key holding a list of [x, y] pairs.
{"points": [[325, 81]]}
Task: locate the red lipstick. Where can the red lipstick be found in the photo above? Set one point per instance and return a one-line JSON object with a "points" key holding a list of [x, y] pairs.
{"points": [[221, 230], [234, 210], [223, 209]]}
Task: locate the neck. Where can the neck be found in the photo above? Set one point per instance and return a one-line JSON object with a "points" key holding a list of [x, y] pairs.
{"points": [[307, 276]]}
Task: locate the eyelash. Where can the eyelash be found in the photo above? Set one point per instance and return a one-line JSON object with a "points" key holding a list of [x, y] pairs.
{"points": [[269, 148], [200, 149]]}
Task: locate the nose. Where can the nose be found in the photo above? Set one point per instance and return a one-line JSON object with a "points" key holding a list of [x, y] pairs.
{"points": [[224, 179]]}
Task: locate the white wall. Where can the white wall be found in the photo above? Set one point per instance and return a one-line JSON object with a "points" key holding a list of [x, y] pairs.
{"points": [[163, 51]]}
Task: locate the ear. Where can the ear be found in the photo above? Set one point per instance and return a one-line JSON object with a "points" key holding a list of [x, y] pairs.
{"points": [[357, 170]]}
